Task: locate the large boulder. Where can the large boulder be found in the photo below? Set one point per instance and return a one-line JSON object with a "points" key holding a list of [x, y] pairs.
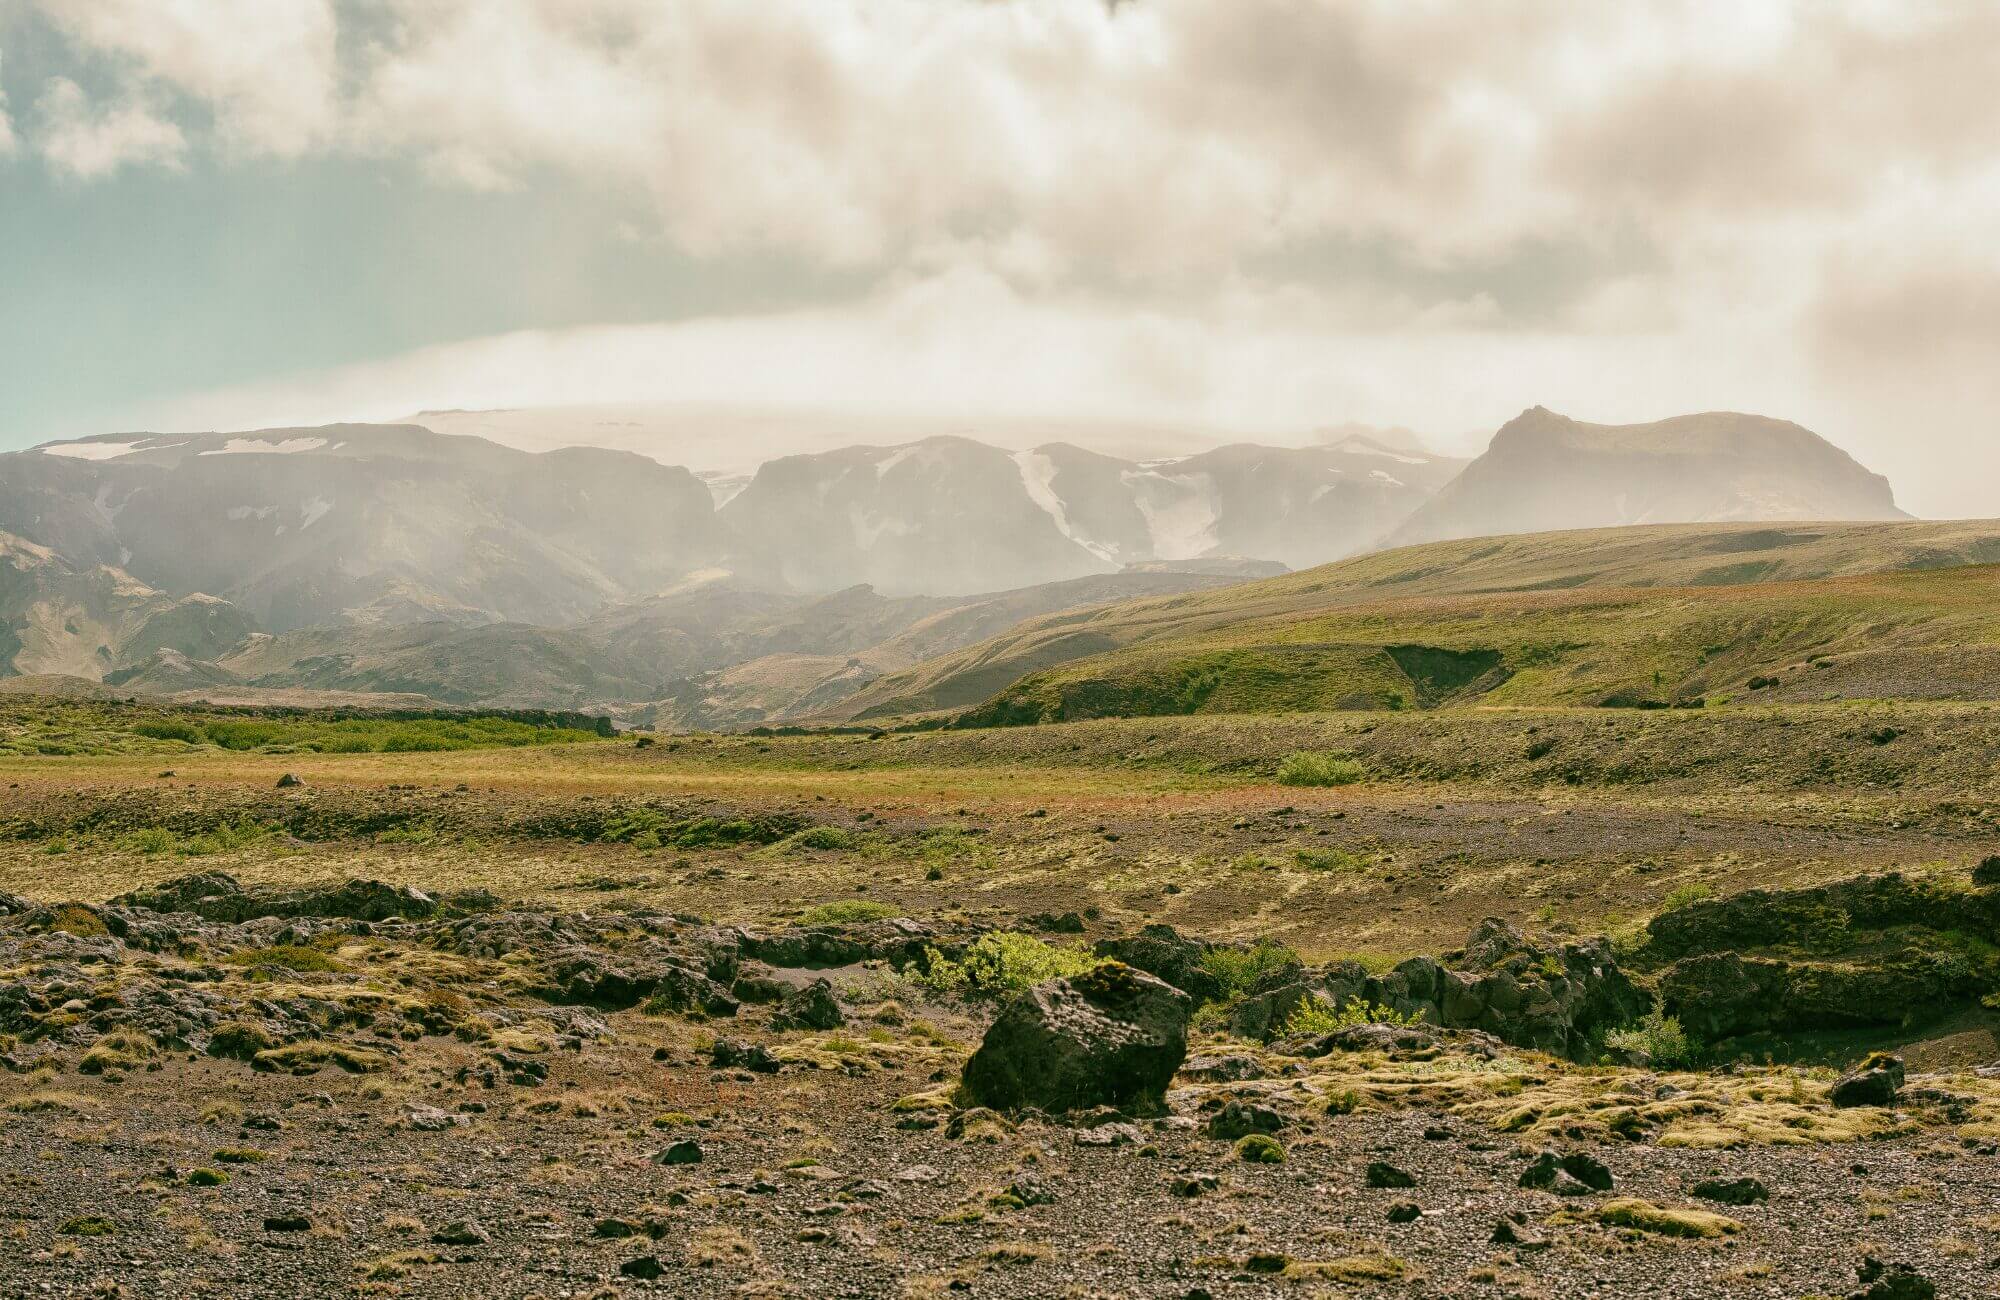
{"points": [[1113, 1036]]}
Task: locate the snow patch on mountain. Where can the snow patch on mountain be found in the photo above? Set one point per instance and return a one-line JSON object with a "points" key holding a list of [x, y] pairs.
{"points": [[1038, 474]]}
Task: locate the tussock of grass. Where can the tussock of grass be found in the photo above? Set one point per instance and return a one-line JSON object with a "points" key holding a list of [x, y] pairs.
{"points": [[1631, 1212], [1320, 768], [848, 911]]}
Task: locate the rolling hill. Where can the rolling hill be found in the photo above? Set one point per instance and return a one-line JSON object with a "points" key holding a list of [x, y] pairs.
{"points": [[1080, 645]]}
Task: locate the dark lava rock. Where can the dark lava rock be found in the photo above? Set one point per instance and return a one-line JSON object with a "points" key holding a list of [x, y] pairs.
{"points": [[1162, 952], [1383, 1174], [289, 781], [643, 1267], [1405, 1212], [1732, 1191], [1112, 1036], [463, 1232], [1874, 1084], [812, 1007], [740, 1054], [1880, 1281], [218, 896], [1574, 1174], [287, 1223], [1222, 1069], [1516, 1232], [1240, 1119], [686, 1152]]}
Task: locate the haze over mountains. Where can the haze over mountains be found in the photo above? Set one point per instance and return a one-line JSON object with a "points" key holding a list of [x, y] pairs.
{"points": [[394, 559]]}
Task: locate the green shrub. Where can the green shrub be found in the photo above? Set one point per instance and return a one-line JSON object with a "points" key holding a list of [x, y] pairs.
{"points": [[1240, 970], [847, 911], [1001, 962], [1313, 1017], [226, 838], [1661, 1037], [1319, 768], [151, 839], [1686, 896], [169, 729], [824, 838]]}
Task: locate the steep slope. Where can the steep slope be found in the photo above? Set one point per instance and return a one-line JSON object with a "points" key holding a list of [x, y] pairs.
{"points": [[943, 516], [366, 524], [60, 618], [1545, 471], [1684, 555]]}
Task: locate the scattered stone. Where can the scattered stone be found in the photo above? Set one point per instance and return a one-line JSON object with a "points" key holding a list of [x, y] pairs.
{"points": [[1574, 1174], [644, 1267], [1514, 1231], [1880, 1281], [741, 1054], [1241, 1118], [686, 1152], [1382, 1174], [812, 1007], [1222, 1069], [1732, 1191], [461, 1232]]}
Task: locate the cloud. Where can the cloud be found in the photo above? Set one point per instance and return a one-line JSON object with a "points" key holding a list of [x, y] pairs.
{"points": [[8, 144], [88, 141], [263, 71]]}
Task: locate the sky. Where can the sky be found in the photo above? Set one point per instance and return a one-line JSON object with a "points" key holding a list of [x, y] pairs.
{"points": [[1258, 218]]}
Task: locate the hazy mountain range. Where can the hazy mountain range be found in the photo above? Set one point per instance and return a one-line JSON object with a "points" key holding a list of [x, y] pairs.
{"points": [[395, 559]]}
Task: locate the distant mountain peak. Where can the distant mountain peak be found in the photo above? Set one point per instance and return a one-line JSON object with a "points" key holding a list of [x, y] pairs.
{"points": [[1545, 471]]}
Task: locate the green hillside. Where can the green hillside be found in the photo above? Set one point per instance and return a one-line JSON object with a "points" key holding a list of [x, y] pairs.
{"points": [[1277, 643]]}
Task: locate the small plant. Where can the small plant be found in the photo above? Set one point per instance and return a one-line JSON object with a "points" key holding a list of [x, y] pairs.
{"points": [[151, 840], [285, 956], [1319, 768], [1687, 895], [1660, 1037], [1330, 860], [1313, 1017], [848, 911]]}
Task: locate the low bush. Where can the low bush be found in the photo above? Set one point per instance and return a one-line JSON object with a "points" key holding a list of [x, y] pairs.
{"points": [[1313, 1017], [1241, 970]]}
